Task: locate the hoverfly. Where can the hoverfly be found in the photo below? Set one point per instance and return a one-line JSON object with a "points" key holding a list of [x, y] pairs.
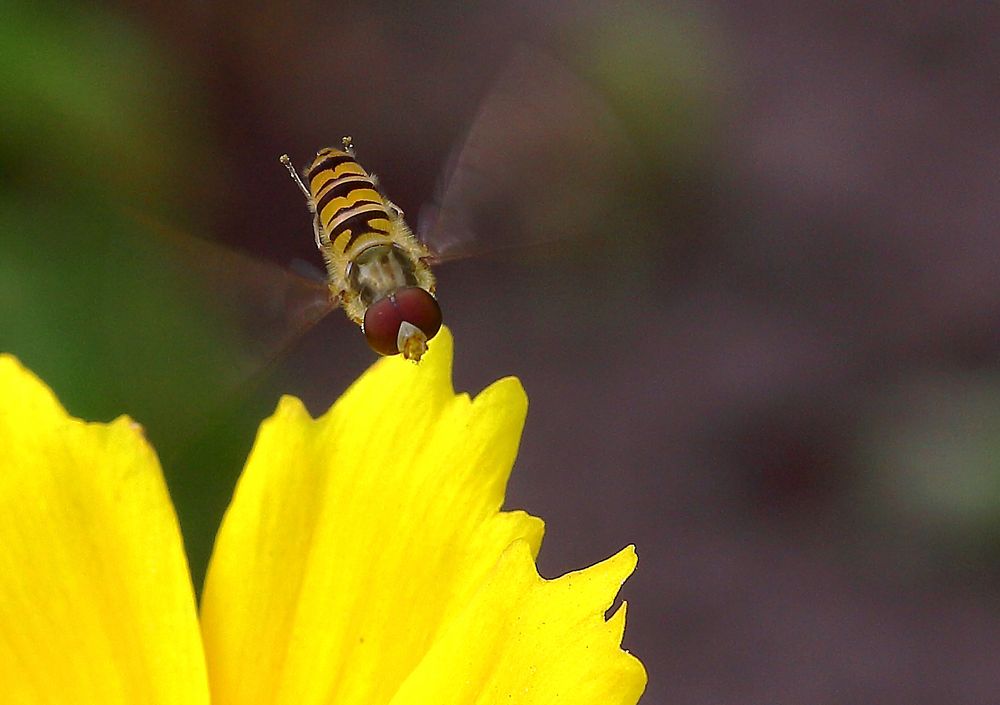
{"points": [[376, 269], [541, 147]]}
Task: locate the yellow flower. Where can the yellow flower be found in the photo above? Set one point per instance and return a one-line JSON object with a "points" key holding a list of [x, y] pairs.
{"points": [[364, 560]]}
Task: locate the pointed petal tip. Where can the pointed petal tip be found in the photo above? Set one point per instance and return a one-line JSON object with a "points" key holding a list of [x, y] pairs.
{"points": [[127, 426], [508, 390], [433, 375], [443, 345], [633, 552], [290, 405], [440, 357], [432, 372], [22, 389], [13, 370], [623, 563]]}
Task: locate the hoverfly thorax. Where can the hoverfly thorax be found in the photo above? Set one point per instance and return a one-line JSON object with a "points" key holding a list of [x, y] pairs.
{"points": [[379, 271]]}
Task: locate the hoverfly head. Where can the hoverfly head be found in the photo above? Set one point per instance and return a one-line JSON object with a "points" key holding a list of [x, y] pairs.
{"points": [[402, 322]]}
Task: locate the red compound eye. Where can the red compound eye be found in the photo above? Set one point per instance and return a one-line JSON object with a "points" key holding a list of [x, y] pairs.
{"points": [[412, 305]]}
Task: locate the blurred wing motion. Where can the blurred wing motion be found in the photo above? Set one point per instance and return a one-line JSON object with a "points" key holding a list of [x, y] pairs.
{"points": [[173, 327], [259, 309], [543, 159]]}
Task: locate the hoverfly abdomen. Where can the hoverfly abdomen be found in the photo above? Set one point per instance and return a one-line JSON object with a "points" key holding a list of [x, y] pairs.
{"points": [[375, 266], [347, 204]]}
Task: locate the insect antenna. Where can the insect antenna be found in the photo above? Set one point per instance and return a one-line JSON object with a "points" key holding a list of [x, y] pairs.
{"points": [[295, 175]]}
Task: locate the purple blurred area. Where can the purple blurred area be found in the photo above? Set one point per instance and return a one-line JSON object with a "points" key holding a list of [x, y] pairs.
{"points": [[773, 366]]}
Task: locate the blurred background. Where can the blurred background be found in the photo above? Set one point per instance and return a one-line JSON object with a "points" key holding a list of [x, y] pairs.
{"points": [[744, 261]]}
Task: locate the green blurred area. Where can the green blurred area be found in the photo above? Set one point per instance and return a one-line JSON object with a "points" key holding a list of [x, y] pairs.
{"points": [[90, 103], [659, 67], [98, 141], [931, 449]]}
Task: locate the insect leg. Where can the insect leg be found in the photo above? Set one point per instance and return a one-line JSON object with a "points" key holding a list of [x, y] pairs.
{"points": [[399, 211], [318, 232]]}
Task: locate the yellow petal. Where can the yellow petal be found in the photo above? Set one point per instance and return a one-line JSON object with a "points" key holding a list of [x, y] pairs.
{"points": [[351, 539], [530, 641], [96, 603]]}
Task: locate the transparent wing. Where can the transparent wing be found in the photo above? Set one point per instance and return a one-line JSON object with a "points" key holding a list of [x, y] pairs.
{"points": [[122, 315], [265, 306], [239, 315], [541, 161]]}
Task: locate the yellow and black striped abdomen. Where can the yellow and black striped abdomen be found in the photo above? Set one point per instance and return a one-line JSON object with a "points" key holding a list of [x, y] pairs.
{"points": [[349, 207]]}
